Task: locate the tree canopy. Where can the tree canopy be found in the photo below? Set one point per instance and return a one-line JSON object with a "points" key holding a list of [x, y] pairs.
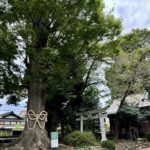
{"points": [[130, 71], [46, 46]]}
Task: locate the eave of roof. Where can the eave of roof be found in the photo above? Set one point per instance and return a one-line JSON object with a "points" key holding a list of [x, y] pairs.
{"points": [[135, 99], [10, 113], [11, 119]]}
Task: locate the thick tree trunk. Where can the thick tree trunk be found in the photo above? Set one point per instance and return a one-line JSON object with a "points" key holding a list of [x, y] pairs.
{"points": [[37, 138]]}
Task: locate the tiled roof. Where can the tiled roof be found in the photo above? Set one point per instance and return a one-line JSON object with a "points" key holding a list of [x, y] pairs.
{"points": [[113, 108], [140, 100], [23, 114], [8, 114], [144, 103]]}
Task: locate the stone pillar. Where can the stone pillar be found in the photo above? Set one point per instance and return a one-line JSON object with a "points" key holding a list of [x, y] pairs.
{"points": [[102, 128], [81, 123]]}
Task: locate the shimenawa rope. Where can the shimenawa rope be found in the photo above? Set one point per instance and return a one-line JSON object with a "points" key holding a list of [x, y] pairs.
{"points": [[37, 118]]}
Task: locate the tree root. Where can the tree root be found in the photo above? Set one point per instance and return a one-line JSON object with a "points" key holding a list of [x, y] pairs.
{"points": [[30, 141]]}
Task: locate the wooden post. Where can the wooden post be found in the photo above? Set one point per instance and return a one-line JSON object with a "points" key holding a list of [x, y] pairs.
{"points": [[131, 136], [102, 128], [81, 123], [116, 132]]}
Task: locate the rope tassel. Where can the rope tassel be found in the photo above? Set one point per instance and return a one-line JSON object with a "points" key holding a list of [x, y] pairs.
{"points": [[31, 115]]}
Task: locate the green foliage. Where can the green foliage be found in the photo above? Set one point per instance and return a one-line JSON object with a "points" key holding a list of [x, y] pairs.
{"points": [[58, 46], [147, 136], [90, 99], [130, 69], [55, 43], [144, 114], [135, 40], [108, 144], [5, 133], [132, 115], [128, 114], [78, 139]]}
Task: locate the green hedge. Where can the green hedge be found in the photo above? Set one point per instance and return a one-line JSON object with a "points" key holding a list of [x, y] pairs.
{"points": [[78, 139], [4, 133], [108, 144], [147, 136]]}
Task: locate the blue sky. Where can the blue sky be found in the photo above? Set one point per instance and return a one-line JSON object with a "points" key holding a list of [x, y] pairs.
{"points": [[6, 108], [134, 14]]}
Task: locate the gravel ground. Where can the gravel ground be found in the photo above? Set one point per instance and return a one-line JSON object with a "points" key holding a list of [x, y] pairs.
{"points": [[145, 149]]}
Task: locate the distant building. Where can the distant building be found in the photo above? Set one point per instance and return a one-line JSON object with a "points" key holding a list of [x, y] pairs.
{"points": [[139, 100], [10, 122], [22, 114]]}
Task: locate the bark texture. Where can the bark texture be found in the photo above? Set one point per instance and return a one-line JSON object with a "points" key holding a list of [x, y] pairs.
{"points": [[36, 139], [31, 140]]}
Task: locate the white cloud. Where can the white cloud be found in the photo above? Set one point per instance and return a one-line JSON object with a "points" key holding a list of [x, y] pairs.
{"points": [[134, 13], [16, 109]]}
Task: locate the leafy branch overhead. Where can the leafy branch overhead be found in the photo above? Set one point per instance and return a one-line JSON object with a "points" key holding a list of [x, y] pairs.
{"points": [[130, 72], [61, 45], [47, 47]]}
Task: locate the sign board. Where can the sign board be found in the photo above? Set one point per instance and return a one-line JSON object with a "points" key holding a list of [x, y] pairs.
{"points": [[54, 139]]}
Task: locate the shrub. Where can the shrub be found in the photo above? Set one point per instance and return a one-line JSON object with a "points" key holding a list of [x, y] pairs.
{"points": [[147, 136], [108, 144], [77, 138]]}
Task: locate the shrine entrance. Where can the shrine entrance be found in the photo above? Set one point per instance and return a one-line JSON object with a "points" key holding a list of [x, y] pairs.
{"points": [[95, 114]]}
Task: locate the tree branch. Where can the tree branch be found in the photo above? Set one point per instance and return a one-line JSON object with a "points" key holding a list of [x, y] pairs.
{"points": [[88, 74], [93, 83]]}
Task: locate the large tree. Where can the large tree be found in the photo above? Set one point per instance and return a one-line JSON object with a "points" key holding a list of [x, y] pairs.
{"points": [[37, 34], [130, 70]]}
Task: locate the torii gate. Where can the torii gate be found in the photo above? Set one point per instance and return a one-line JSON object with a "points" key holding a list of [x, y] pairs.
{"points": [[95, 114]]}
